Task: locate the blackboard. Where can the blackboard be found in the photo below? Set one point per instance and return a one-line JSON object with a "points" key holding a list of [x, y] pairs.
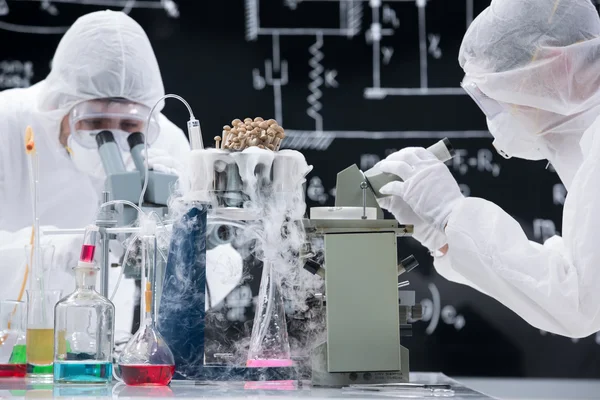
{"points": [[350, 81]]}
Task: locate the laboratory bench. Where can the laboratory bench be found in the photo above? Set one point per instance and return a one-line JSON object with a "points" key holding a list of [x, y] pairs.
{"points": [[460, 388]]}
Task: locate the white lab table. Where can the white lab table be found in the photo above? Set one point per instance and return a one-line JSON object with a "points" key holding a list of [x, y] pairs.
{"points": [[462, 388]]}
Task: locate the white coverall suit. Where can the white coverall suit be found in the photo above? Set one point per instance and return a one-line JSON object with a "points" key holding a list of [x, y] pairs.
{"points": [[103, 55], [533, 68]]}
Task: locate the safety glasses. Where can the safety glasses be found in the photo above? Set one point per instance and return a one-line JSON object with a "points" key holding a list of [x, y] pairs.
{"points": [[120, 116], [491, 108]]}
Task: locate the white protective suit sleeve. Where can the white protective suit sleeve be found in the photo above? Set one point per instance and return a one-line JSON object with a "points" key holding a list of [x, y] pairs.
{"points": [[555, 286], [540, 57]]}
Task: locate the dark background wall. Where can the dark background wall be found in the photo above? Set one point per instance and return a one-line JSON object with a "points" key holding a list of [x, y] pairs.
{"points": [[320, 55]]}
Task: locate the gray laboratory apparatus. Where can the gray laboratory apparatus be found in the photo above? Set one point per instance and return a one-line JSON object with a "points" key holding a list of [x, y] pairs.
{"points": [[366, 313]]}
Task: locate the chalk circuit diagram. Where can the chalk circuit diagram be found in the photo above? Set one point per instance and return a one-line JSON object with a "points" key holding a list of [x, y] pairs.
{"points": [[52, 7], [376, 20], [384, 22]]}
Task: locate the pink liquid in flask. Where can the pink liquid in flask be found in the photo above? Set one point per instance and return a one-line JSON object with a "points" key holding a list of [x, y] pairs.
{"points": [[270, 385], [87, 253]]}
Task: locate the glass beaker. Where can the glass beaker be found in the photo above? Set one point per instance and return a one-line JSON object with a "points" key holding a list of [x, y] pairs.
{"points": [[13, 357], [40, 332], [147, 360], [39, 266]]}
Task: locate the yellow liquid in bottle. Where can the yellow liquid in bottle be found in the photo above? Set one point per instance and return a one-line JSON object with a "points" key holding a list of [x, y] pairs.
{"points": [[40, 346]]}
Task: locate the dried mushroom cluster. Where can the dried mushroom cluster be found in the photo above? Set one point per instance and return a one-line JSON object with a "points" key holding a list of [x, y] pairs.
{"points": [[251, 132]]}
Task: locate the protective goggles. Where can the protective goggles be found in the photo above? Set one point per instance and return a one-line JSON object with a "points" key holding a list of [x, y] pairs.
{"points": [[490, 107], [511, 137], [121, 117]]}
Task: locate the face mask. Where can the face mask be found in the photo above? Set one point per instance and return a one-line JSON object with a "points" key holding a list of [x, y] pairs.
{"points": [[512, 139], [512, 135], [88, 160]]}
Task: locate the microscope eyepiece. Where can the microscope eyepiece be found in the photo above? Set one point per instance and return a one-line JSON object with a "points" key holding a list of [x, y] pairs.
{"points": [[134, 139], [104, 137], [448, 145]]}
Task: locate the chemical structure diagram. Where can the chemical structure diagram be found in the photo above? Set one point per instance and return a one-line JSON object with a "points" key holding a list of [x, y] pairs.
{"points": [[384, 23], [50, 7]]}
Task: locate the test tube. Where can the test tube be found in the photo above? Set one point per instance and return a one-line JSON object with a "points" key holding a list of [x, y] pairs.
{"points": [[89, 244]]}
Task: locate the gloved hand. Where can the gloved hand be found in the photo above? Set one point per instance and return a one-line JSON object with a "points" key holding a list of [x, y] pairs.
{"points": [[161, 161], [429, 188], [426, 234]]}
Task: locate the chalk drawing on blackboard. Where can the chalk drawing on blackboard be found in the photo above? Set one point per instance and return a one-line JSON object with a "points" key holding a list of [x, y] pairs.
{"points": [[49, 6], [3, 8], [15, 74], [375, 36], [384, 23]]}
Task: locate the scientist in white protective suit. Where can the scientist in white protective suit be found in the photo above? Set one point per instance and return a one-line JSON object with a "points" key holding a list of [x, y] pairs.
{"points": [[104, 76], [533, 67]]}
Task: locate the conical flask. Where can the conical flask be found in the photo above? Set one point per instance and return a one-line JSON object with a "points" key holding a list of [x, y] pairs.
{"points": [[147, 359], [269, 345]]}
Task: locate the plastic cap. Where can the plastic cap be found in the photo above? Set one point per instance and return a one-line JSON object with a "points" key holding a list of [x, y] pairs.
{"points": [[86, 265]]}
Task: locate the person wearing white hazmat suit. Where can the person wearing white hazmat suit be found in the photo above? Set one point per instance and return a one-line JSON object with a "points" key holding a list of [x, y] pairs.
{"points": [[104, 75], [533, 67]]}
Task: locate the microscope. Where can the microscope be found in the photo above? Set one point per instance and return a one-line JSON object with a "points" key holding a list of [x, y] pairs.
{"points": [[121, 184], [127, 185], [366, 313]]}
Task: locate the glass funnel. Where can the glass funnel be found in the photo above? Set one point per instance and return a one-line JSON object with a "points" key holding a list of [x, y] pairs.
{"points": [[84, 325], [147, 360]]}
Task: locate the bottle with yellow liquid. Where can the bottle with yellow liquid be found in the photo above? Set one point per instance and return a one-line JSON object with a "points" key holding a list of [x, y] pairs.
{"points": [[40, 332]]}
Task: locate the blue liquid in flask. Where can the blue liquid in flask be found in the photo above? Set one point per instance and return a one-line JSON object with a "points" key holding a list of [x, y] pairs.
{"points": [[82, 372]]}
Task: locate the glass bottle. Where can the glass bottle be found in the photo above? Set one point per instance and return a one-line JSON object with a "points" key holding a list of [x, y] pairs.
{"points": [[147, 360], [84, 325]]}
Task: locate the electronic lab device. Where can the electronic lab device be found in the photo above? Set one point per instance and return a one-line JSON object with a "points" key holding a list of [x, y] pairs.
{"points": [[366, 313]]}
